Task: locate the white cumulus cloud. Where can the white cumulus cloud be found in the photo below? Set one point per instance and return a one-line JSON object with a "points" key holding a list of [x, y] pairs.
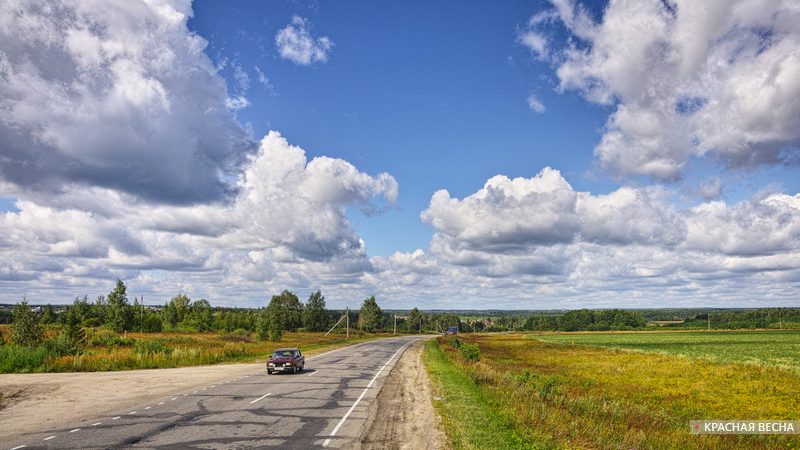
{"points": [[714, 78], [296, 43]]}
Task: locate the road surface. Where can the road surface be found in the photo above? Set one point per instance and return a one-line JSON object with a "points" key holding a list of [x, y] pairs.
{"points": [[325, 406]]}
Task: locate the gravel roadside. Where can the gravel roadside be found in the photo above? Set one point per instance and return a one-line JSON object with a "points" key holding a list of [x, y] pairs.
{"points": [[404, 417]]}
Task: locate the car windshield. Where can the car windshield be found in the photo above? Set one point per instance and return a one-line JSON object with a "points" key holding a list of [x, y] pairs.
{"points": [[286, 354]]}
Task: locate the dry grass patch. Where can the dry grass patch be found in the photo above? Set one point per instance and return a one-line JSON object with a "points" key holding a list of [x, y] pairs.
{"points": [[592, 398]]}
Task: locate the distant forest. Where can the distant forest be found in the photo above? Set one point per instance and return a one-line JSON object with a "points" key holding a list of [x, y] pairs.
{"points": [[115, 312]]}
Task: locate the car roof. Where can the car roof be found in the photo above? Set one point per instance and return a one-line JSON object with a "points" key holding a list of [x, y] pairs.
{"points": [[290, 349]]}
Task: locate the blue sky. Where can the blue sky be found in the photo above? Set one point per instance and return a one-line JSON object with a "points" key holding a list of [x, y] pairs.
{"points": [[433, 94], [441, 155]]}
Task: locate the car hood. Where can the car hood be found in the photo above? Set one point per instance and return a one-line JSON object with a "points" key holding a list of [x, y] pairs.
{"points": [[281, 360]]}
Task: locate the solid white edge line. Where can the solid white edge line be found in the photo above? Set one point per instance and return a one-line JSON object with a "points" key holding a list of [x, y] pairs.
{"points": [[341, 422], [260, 398]]}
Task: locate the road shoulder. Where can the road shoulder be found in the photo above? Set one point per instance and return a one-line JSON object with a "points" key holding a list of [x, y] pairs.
{"points": [[403, 416]]}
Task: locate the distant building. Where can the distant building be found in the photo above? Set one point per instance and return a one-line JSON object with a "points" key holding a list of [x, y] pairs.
{"points": [[452, 330]]}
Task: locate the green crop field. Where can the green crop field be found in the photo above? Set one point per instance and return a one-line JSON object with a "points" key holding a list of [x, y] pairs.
{"points": [[762, 348]]}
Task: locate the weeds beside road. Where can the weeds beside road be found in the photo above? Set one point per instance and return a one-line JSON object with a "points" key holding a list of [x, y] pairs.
{"points": [[525, 393], [107, 351]]}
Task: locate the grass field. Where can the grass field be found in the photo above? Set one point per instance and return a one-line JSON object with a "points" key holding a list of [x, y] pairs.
{"points": [[762, 348], [550, 395]]}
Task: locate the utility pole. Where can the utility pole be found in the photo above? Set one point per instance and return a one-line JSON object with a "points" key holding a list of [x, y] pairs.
{"points": [[709, 321], [395, 322], [348, 322]]}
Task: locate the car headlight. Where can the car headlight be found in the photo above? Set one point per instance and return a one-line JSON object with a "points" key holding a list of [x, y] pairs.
{"points": [[271, 364], [288, 364]]}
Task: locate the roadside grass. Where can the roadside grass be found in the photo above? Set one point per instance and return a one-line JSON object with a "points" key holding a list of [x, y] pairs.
{"points": [[779, 349], [577, 397], [106, 351], [470, 420]]}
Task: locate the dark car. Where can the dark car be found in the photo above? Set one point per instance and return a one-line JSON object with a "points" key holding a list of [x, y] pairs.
{"points": [[286, 360]]}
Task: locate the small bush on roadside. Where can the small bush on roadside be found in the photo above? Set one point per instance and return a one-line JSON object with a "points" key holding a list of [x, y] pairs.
{"points": [[456, 342], [470, 352], [61, 345], [18, 359]]}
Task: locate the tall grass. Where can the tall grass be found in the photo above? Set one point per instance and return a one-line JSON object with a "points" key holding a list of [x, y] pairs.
{"points": [[17, 359], [470, 421], [108, 351], [589, 398]]}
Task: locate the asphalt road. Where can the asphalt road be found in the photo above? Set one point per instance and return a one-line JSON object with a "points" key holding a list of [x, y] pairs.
{"points": [[326, 405]]}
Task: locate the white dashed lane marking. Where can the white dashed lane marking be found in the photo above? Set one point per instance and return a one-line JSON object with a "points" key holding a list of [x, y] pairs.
{"points": [[76, 429], [96, 424], [48, 438], [115, 418]]}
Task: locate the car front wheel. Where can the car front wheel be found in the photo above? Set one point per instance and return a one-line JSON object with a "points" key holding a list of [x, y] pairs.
{"points": [[269, 372]]}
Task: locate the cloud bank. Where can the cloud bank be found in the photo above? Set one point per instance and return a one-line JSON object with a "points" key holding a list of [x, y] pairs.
{"points": [[687, 79], [114, 95], [535, 242], [286, 227]]}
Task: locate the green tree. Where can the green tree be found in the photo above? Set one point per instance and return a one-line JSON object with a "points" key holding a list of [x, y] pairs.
{"points": [[120, 312], [315, 316], [287, 310], [369, 315], [99, 310], [275, 328], [414, 320], [200, 317], [47, 316], [177, 309], [72, 327], [26, 331]]}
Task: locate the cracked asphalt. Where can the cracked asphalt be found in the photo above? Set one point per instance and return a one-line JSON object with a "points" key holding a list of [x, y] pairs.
{"points": [[326, 405]]}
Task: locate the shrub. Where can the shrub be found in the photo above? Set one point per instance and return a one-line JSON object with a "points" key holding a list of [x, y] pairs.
{"points": [[19, 359], [61, 345], [470, 352], [456, 342], [27, 330]]}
